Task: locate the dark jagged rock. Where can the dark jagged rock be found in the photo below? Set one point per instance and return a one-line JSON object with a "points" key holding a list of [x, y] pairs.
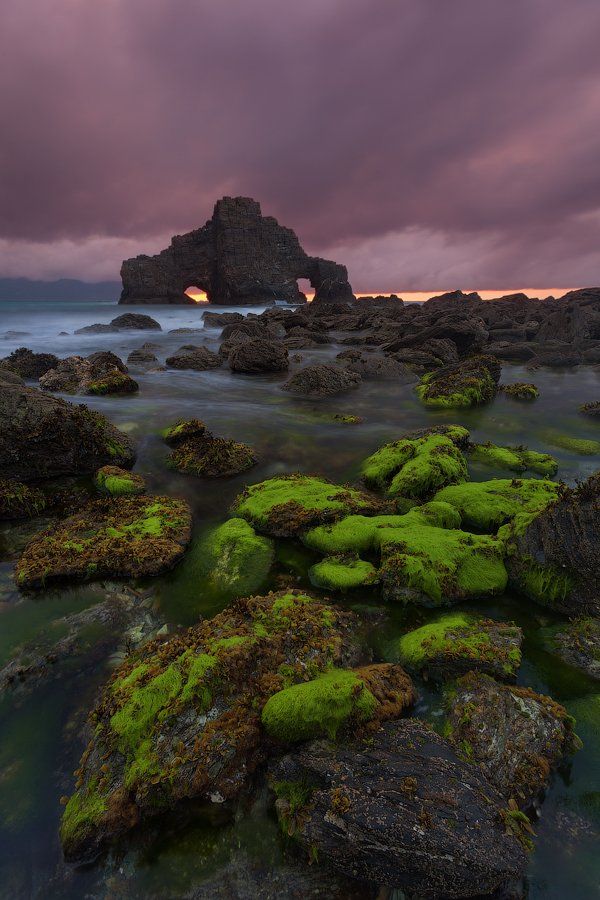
{"points": [[401, 810], [556, 560], [259, 355], [322, 380], [517, 736], [100, 373], [219, 320], [137, 321], [239, 257], [43, 436], [578, 643], [372, 365], [97, 328], [27, 364], [192, 357]]}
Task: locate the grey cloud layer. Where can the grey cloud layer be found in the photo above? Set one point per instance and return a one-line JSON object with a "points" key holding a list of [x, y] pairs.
{"points": [[461, 135]]}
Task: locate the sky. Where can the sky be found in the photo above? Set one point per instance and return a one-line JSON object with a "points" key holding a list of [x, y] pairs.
{"points": [[425, 144]]}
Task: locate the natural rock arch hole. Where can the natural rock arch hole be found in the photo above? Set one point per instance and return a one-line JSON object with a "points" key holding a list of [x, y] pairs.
{"points": [[305, 287], [197, 294]]}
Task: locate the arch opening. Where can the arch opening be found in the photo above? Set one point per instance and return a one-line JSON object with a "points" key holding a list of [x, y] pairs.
{"points": [[197, 294], [305, 287]]}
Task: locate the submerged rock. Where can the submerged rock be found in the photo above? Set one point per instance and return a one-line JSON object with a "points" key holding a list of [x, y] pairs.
{"points": [[197, 358], [517, 459], [457, 643], [138, 321], [520, 390], [556, 559], [181, 720], [18, 501], [469, 382], [27, 364], [591, 409], [289, 504], [126, 537], [259, 355], [321, 380], [416, 467], [43, 436], [517, 736], [399, 809], [578, 643], [197, 452], [142, 358], [118, 482]]}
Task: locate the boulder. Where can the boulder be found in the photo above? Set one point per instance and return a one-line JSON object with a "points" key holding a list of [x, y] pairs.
{"points": [[518, 737], [118, 482], [27, 364], [44, 437], [137, 321], [97, 328], [371, 365], [401, 810], [259, 355], [198, 452], [142, 359], [321, 380], [124, 537], [99, 373], [219, 320], [191, 357], [469, 382], [578, 643]]}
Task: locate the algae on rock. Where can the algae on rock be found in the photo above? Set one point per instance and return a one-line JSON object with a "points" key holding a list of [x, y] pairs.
{"points": [[501, 503], [415, 467], [517, 459], [233, 558], [118, 482], [340, 573], [469, 382]]}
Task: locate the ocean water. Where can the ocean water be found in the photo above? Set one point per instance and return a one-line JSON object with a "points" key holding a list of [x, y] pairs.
{"points": [[41, 733]]}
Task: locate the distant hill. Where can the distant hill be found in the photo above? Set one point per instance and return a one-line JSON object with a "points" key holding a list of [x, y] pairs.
{"points": [[63, 289]]}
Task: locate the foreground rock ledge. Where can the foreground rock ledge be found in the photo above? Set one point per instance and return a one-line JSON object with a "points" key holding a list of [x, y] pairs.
{"points": [[399, 809]]}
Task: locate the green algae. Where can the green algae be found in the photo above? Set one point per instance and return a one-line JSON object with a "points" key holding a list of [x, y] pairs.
{"points": [[464, 384], [440, 566], [118, 482], [517, 459], [288, 504], [233, 559], [485, 506], [318, 708], [520, 390], [459, 637], [545, 584], [113, 383], [572, 444], [20, 501], [342, 573], [83, 811], [415, 468]]}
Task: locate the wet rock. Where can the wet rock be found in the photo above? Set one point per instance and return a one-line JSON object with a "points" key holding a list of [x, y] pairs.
{"points": [[97, 328], [233, 559], [27, 364], [258, 355], [180, 720], [591, 409], [321, 380], [520, 390], [142, 359], [198, 452], [239, 257], [99, 373], [125, 537], [469, 382], [457, 643], [381, 810], [185, 330], [578, 643], [219, 320], [197, 358], [18, 501], [556, 558], [371, 365], [469, 336], [518, 737], [118, 482], [43, 436], [502, 505], [138, 321]]}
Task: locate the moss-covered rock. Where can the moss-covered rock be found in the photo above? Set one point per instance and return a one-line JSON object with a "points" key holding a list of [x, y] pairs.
{"points": [[520, 390], [517, 736], [197, 452], [469, 382], [485, 506], [517, 459], [118, 482], [125, 537], [181, 719], [573, 444], [234, 559], [578, 643], [18, 501], [591, 409], [457, 643], [289, 504], [415, 468], [113, 383], [340, 573], [334, 700], [437, 567]]}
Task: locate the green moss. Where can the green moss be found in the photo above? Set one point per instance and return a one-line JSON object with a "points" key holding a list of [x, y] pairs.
{"points": [[290, 503], [572, 444], [363, 534], [342, 573], [459, 637], [442, 565], [318, 708], [519, 825], [487, 505], [296, 796], [84, 809], [182, 430], [521, 390], [414, 468], [118, 482], [518, 459], [468, 383], [19, 501], [232, 558], [113, 383], [546, 585]]}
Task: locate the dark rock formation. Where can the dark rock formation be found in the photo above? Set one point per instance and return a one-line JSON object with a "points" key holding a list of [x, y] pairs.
{"points": [[42, 436], [198, 452], [137, 321], [402, 810], [142, 359], [99, 373], [239, 257], [192, 357], [27, 364], [259, 355], [375, 365], [578, 643], [516, 735], [321, 381]]}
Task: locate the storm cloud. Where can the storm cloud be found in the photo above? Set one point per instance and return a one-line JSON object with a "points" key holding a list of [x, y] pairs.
{"points": [[425, 144]]}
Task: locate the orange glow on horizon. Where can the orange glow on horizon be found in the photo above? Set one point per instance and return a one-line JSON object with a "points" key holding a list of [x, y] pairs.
{"points": [[201, 297], [197, 295]]}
